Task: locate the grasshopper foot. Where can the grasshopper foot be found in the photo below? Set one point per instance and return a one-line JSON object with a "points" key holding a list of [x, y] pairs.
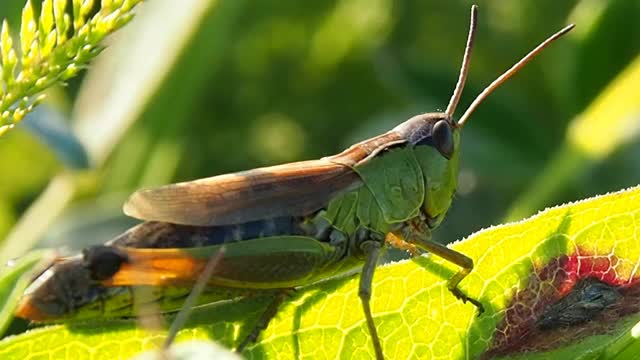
{"points": [[462, 296]]}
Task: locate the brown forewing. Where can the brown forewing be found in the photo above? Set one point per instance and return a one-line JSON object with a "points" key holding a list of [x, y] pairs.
{"points": [[294, 189]]}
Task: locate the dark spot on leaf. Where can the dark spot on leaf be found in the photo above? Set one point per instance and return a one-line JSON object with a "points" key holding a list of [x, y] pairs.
{"points": [[568, 299], [588, 299]]}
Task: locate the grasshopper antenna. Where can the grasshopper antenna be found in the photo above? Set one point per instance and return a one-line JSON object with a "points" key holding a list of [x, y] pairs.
{"points": [[509, 73], [464, 69]]}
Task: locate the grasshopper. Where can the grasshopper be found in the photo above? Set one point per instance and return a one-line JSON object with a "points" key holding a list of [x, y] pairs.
{"points": [[281, 227]]}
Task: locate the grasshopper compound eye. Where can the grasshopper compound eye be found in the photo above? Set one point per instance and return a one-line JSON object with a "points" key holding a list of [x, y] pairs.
{"points": [[103, 261], [443, 138]]}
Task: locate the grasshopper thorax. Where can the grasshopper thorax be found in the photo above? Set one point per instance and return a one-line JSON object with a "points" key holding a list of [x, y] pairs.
{"points": [[435, 142]]}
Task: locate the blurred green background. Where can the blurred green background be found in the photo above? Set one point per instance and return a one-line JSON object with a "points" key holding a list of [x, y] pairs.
{"points": [[198, 88]]}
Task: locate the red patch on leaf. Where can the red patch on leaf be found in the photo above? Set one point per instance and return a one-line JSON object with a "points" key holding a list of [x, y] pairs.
{"points": [[520, 331]]}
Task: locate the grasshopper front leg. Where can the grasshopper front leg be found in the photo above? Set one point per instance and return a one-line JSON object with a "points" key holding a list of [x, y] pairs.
{"points": [[371, 251], [444, 252], [457, 258]]}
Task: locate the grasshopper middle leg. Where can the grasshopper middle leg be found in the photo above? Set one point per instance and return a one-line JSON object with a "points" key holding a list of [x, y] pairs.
{"points": [[371, 250]]}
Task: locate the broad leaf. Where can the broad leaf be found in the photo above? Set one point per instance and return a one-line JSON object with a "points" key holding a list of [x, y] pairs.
{"points": [[522, 269]]}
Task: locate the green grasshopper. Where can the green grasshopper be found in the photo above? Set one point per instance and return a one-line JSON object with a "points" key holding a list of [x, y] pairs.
{"points": [[281, 227]]}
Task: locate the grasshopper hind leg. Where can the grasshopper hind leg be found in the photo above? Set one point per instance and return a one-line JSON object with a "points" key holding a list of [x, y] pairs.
{"points": [[266, 317]]}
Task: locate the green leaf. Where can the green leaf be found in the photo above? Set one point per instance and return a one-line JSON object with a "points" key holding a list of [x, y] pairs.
{"points": [[521, 269]]}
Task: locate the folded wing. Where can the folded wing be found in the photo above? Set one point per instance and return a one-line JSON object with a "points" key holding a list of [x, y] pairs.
{"points": [[295, 189]]}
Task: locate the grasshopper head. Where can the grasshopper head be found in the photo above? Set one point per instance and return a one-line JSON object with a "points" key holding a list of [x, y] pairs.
{"points": [[436, 142]]}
